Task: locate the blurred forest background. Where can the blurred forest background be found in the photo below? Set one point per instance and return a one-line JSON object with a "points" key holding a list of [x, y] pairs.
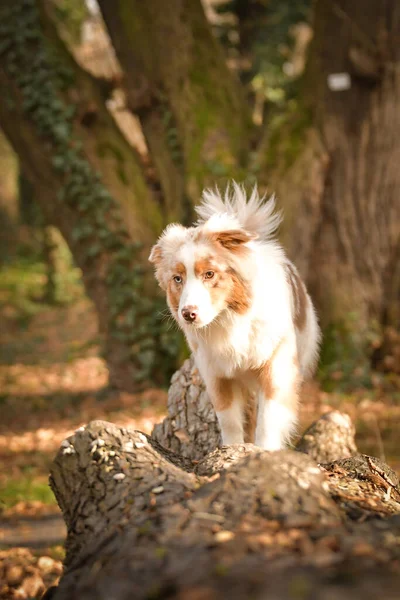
{"points": [[113, 117]]}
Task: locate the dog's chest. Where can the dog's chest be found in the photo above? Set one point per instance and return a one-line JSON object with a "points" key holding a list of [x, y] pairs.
{"points": [[236, 348]]}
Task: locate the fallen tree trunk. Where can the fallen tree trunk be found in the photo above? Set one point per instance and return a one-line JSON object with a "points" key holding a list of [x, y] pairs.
{"points": [[145, 522]]}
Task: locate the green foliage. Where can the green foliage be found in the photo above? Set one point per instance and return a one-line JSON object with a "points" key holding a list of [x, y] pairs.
{"points": [[23, 281], [67, 277], [98, 239], [109, 149], [21, 286], [286, 133], [265, 33], [345, 360], [171, 133]]}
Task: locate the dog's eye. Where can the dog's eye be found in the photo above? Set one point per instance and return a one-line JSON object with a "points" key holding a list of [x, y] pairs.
{"points": [[208, 274], [178, 279]]}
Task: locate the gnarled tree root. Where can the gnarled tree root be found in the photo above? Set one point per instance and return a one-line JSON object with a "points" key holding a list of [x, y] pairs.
{"points": [[145, 522]]}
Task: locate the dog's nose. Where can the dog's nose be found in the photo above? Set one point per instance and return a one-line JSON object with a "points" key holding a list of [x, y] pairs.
{"points": [[189, 313]]}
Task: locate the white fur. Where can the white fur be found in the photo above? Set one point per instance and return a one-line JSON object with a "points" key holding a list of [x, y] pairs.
{"points": [[231, 423], [253, 214], [194, 293], [276, 420], [231, 345], [275, 424]]}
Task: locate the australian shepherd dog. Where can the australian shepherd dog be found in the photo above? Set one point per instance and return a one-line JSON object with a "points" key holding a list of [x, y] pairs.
{"points": [[245, 312]]}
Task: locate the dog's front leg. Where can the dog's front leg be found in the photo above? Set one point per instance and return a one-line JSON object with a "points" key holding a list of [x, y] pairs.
{"points": [[277, 401], [227, 399]]}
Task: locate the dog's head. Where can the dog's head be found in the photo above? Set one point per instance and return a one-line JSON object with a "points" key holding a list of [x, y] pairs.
{"points": [[203, 270]]}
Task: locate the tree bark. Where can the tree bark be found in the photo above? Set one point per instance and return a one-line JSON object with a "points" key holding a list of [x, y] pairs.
{"points": [[190, 106], [191, 428], [329, 438], [55, 118], [141, 525], [341, 192]]}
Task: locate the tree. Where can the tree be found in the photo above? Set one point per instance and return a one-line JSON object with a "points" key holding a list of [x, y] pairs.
{"points": [[57, 122], [191, 107], [79, 163], [342, 214], [338, 174]]}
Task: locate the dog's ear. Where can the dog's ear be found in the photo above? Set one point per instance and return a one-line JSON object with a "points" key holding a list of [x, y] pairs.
{"points": [[232, 239], [168, 242], [155, 254]]}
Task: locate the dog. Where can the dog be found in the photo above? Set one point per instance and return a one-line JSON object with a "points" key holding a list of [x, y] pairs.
{"points": [[245, 312]]}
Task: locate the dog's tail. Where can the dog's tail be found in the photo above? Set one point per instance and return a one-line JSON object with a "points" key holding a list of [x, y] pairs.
{"points": [[255, 214]]}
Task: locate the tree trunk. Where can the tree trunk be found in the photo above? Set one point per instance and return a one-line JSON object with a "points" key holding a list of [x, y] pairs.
{"points": [[142, 522], [56, 120], [191, 107], [341, 192]]}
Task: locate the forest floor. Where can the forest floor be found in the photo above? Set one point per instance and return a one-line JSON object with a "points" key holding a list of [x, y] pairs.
{"points": [[53, 380]]}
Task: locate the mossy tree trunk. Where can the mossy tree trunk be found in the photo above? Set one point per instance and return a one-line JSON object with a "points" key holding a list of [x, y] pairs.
{"points": [[342, 189], [55, 118], [191, 107]]}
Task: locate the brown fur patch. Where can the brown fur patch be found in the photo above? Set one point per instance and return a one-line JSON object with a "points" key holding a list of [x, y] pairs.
{"points": [[264, 376], [223, 396], [174, 295], [174, 290], [202, 265], [219, 287], [299, 297], [239, 299], [233, 239], [230, 241], [225, 287], [179, 269]]}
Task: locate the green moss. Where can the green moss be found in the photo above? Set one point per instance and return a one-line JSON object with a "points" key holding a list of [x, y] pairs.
{"points": [[221, 570], [160, 552], [300, 588], [72, 14], [171, 132], [286, 135], [107, 149], [345, 359]]}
